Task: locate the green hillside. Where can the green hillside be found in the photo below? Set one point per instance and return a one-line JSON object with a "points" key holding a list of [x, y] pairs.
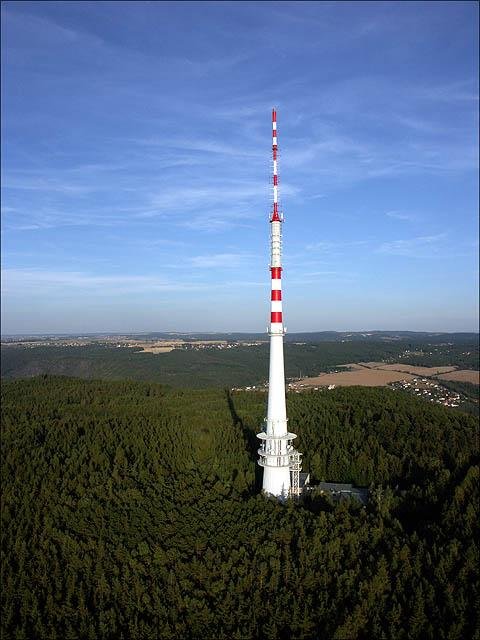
{"points": [[130, 510], [239, 366]]}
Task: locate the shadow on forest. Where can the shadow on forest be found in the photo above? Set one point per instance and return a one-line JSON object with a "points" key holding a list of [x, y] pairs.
{"points": [[249, 436]]}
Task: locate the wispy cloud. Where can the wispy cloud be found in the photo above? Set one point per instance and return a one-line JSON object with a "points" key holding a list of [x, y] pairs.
{"points": [[38, 281], [400, 215], [219, 220], [212, 145], [418, 247], [45, 185], [183, 197], [41, 282], [339, 158], [320, 278], [70, 215], [323, 247], [458, 91], [220, 260]]}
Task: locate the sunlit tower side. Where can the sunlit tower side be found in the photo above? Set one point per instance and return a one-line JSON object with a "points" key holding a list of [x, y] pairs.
{"points": [[280, 461]]}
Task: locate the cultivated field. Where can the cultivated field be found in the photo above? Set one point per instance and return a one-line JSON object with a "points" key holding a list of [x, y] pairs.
{"points": [[416, 371], [465, 375], [362, 376], [163, 346], [379, 374], [156, 350]]}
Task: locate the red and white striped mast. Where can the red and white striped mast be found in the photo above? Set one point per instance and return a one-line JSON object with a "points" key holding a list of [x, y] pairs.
{"points": [[277, 456]]}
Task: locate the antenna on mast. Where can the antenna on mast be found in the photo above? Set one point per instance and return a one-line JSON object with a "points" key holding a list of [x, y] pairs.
{"points": [[275, 215]]}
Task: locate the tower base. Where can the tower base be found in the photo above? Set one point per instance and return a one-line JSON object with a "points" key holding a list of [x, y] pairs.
{"points": [[276, 482]]}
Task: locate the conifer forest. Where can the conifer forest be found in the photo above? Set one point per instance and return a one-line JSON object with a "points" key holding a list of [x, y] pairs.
{"points": [[132, 510]]}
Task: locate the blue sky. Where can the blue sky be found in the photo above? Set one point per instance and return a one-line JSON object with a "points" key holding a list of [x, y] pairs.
{"points": [[136, 165]]}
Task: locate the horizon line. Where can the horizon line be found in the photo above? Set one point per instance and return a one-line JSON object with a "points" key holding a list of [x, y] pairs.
{"points": [[210, 332]]}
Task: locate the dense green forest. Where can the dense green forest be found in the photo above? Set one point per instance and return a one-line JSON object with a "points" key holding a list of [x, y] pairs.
{"points": [[469, 390], [239, 366], [470, 393], [132, 510]]}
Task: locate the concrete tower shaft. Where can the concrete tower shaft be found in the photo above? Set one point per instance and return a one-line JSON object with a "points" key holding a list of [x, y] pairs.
{"points": [[276, 448]]}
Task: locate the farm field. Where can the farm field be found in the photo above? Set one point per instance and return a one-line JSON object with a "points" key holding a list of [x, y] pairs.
{"points": [[408, 368], [156, 350], [360, 376], [464, 375], [379, 374]]}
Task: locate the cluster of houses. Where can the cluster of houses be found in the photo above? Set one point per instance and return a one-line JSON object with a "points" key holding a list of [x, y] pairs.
{"points": [[217, 345], [429, 390]]}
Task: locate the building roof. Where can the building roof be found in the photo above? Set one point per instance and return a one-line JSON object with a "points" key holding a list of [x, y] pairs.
{"points": [[340, 490], [335, 486]]}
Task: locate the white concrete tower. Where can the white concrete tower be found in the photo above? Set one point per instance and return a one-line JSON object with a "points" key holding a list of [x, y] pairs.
{"points": [[277, 455]]}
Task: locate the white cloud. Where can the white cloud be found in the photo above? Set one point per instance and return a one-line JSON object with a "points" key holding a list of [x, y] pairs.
{"points": [[418, 247], [37, 281], [399, 215], [220, 260], [203, 145], [40, 282], [334, 247], [44, 184]]}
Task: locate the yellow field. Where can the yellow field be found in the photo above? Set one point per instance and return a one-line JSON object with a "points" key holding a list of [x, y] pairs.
{"points": [[417, 371], [379, 374], [465, 375], [362, 376], [156, 350]]}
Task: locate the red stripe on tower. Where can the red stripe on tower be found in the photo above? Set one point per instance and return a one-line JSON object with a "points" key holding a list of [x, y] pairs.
{"points": [[276, 273], [276, 316], [275, 217], [276, 294]]}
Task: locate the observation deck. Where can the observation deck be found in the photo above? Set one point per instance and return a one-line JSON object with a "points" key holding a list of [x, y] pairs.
{"points": [[275, 451]]}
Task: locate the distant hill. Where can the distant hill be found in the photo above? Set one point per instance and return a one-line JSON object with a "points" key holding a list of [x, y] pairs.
{"points": [[304, 336], [239, 366]]}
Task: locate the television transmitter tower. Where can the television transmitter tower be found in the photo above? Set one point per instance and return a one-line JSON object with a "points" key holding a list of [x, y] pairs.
{"points": [[280, 461]]}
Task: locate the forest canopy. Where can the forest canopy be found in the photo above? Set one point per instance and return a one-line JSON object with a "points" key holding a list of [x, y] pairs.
{"points": [[132, 510]]}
